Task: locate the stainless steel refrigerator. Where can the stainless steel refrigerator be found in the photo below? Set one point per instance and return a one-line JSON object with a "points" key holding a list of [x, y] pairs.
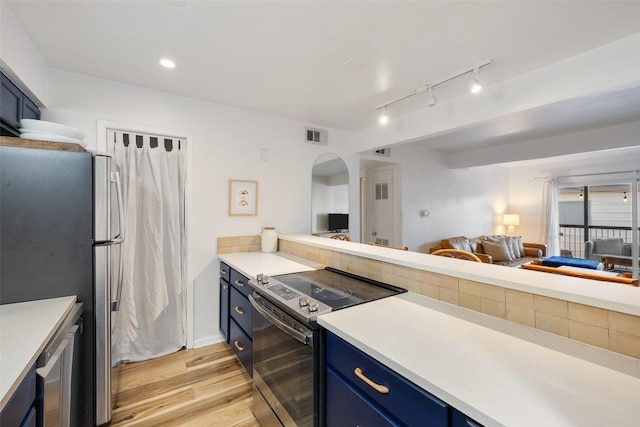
{"points": [[61, 220]]}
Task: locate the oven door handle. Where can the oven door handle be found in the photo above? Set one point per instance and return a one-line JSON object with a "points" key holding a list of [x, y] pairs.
{"points": [[304, 338]]}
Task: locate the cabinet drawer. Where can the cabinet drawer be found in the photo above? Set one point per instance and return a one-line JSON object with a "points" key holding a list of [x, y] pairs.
{"points": [[409, 403], [345, 407], [241, 345], [240, 282], [225, 272], [241, 311]]}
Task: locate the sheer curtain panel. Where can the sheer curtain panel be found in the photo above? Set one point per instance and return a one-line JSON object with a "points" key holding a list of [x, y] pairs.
{"points": [[151, 320]]}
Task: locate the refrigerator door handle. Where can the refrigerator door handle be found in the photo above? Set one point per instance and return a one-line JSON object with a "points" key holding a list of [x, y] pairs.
{"points": [[115, 303], [115, 178]]}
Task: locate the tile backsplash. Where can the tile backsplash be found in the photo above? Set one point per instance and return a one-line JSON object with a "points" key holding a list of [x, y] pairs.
{"points": [[227, 245]]}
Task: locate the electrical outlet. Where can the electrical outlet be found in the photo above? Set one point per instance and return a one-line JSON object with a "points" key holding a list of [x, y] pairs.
{"points": [[424, 213]]}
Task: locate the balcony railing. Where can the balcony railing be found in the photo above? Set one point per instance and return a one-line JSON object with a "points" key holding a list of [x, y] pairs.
{"points": [[572, 237]]}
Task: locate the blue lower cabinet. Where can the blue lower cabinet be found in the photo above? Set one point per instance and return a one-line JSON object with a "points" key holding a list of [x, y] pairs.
{"points": [[359, 390], [20, 410], [241, 345], [349, 408], [225, 292]]}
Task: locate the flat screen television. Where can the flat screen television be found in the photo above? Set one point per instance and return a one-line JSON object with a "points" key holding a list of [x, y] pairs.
{"points": [[337, 222]]}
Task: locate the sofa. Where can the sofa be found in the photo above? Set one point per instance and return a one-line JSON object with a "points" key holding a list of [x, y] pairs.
{"points": [[503, 250]]}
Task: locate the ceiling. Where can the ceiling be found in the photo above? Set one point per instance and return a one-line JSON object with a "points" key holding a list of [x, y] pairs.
{"points": [[331, 63]]}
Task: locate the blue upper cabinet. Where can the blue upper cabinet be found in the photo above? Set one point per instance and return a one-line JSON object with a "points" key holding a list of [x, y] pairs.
{"points": [[14, 106]]}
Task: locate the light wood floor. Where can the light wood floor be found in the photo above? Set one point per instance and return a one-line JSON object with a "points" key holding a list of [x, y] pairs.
{"points": [[201, 387]]}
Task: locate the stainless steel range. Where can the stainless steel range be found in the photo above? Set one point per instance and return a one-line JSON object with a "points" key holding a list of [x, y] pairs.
{"points": [[287, 343]]}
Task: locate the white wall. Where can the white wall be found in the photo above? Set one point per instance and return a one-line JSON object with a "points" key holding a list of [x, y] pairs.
{"points": [[20, 60], [227, 144], [467, 202]]}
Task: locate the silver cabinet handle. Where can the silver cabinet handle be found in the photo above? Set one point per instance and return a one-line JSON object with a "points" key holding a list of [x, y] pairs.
{"points": [[238, 346], [377, 387], [223, 272], [239, 310], [239, 283]]}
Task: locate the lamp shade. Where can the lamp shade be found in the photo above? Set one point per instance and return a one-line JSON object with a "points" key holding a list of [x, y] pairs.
{"points": [[510, 219]]}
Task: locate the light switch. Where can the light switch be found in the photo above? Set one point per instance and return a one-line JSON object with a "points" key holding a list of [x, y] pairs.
{"points": [[424, 213]]}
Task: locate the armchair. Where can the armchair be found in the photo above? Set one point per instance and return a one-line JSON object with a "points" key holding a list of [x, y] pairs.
{"points": [[606, 245]]}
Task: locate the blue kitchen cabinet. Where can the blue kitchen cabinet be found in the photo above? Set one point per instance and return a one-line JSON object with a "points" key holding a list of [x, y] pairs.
{"points": [[20, 410], [225, 292], [378, 395], [15, 105], [236, 314]]}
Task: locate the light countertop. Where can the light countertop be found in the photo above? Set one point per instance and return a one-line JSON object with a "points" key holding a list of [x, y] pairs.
{"points": [[610, 296], [251, 264], [25, 330], [496, 372]]}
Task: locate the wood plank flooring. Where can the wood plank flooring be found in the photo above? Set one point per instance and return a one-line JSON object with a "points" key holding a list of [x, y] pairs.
{"points": [[201, 387]]}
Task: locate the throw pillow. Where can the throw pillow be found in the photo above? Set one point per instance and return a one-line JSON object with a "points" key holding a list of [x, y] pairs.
{"points": [[515, 248], [507, 242], [611, 245], [497, 249], [520, 246]]}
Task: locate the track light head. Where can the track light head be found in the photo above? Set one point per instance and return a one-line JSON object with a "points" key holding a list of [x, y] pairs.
{"points": [[475, 84], [384, 118], [431, 99]]}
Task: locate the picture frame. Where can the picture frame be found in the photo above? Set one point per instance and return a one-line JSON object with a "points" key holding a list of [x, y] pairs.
{"points": [[243, 197]]}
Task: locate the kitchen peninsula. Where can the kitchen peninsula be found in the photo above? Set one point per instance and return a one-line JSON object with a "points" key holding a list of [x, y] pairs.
{"points": [[496, 369]]}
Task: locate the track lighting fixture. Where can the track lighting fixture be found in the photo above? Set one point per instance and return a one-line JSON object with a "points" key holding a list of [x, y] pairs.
{"points": [[624, 199], [384, 118], [431, 100], [475, 84]]}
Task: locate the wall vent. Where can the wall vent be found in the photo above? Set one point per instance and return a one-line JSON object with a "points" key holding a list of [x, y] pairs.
{"points": [[317, 136], [386, 152]]}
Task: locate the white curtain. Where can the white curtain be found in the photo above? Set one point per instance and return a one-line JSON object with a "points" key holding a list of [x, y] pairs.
{"points": [[550, 226], [151, 320]]}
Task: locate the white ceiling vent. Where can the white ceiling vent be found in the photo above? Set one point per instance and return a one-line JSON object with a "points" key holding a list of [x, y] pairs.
{"points": [[317, 136], [384, 152]]}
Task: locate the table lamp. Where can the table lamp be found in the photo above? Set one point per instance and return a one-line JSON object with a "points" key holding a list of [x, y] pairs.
{"points": [[511, 220]]}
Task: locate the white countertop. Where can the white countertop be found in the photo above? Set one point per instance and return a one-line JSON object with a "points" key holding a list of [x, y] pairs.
{"points": [[251, 264], [610, 296], [25, 329], [496, 372]]}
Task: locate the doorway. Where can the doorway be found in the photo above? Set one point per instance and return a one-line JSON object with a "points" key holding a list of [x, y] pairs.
{"points": [[380, 200]]}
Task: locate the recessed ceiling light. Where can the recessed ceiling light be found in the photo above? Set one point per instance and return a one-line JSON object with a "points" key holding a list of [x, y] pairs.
{"points": [[167, 63]]}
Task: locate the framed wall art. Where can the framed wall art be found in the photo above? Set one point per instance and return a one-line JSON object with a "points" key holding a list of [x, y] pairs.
{"points": [[243, 197]]}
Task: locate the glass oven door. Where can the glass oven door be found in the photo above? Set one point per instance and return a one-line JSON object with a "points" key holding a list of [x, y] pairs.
{"points": [[283, 363]]}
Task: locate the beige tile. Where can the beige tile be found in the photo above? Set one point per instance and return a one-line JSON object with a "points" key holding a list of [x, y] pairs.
{"points": [[624, 343], [440, 280], [521, 315], [412, 285], [553, 324], [472, 302], [624, 323], [482, 290], [552, 306], [589, 334], [492, 308], [587, 314], [447, 295], [430, 291], [519, 298]]}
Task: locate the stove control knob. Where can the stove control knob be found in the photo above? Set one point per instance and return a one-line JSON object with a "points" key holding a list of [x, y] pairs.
{"points": [[303, 301], [265, 279], [313, 307]]}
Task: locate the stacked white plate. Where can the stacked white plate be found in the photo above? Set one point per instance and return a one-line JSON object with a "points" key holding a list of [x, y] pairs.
{"points": [[50, 131]]}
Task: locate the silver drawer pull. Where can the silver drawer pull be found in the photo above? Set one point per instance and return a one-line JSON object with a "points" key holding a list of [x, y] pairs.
{"points": [[238, 346], [377, 387], [225, 287], [239, 283], [223, 272], [238, 310]]}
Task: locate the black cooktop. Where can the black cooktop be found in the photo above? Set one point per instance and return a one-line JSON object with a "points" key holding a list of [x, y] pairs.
{"points": [[337, 289]]}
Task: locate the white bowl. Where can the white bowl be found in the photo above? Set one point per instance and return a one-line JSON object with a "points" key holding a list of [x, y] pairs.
{"points": [[53, 138], [52, 128]]}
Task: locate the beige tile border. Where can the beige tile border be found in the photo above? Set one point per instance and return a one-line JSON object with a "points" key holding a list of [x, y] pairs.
{"points": [[602, 328]]}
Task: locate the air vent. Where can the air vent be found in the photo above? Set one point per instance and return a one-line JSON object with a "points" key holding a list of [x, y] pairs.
{"points": [[317, 136], [386, 152]]}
